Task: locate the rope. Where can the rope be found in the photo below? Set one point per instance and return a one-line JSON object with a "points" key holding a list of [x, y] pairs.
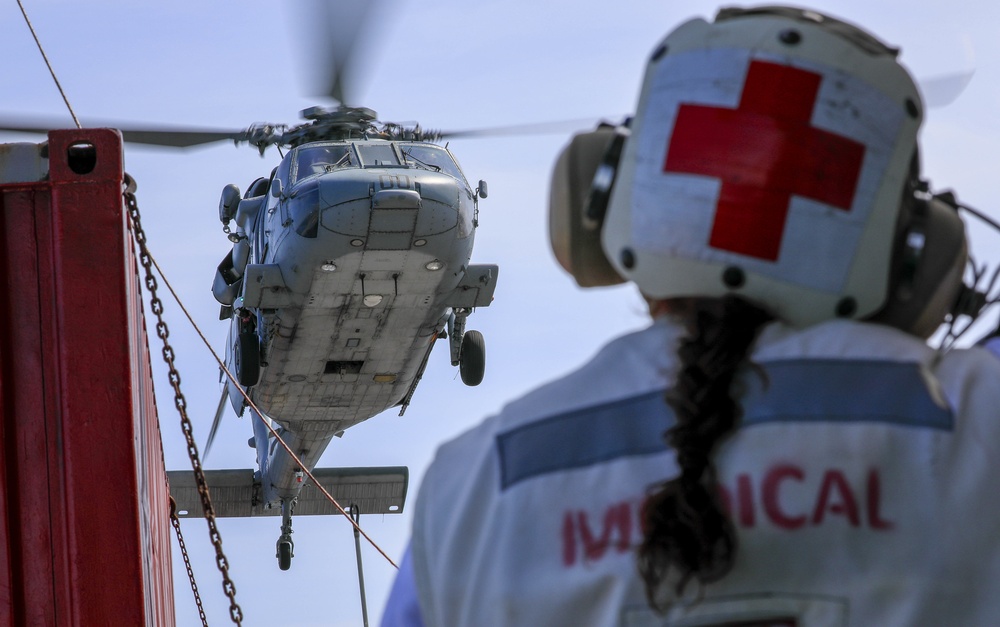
{"points": [[51, 71]]}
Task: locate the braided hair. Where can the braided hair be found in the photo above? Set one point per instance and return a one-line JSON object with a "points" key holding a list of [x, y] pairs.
{"points": [[687, 533]]}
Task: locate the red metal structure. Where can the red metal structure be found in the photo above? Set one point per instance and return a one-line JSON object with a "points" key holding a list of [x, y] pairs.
{"points": [[84, 536]]}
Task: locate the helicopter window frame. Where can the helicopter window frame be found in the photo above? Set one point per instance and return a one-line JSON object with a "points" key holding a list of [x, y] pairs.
{"points": [[260, 247], [423, 160], [275, 204], [368, 152], [348, 159], [283, 171], [271, 206]]}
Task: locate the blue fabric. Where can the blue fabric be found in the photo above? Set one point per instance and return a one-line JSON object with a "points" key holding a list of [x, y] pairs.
{"points": [[633, 426], [992, 344], [797, 390], [403, 606], [840, 390]]}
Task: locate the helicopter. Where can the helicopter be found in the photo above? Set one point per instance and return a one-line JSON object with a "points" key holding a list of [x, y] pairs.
{"points": [[348, 263]]}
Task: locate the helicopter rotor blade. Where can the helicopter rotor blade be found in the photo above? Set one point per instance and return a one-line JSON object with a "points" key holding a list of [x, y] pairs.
{"points": [[173, 137], [938, 91], [179, 138], [215, 423], [333, 33], [941, 91], [538, 128]]}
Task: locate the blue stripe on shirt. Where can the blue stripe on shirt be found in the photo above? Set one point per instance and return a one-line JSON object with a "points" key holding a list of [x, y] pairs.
{"points": [[798, 390]]}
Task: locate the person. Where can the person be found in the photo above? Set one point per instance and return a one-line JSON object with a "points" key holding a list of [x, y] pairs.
{"points": [[782, 446]]}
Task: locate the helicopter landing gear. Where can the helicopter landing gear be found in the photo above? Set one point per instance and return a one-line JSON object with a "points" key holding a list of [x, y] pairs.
{"points": [[246, 352], [285, 554], [468, 349], [472, 363], [247, 358], [285, 547]]}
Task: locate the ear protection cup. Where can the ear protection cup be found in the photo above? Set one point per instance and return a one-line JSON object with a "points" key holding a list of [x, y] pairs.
{"points": [[928, 264], [579, 191]]}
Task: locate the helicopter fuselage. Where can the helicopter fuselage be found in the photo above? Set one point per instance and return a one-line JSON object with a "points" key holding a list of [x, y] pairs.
{"points": [[356, 260]]}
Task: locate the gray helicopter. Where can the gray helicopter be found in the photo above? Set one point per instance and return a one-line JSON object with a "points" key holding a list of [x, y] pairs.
{"points": [[349, 262]]}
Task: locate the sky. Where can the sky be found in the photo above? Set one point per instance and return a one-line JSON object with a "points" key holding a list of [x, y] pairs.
{"points": [[451, 65]]}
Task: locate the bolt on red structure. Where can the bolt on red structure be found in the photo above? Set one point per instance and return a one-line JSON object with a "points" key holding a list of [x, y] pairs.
{"points": [[84, 535]]}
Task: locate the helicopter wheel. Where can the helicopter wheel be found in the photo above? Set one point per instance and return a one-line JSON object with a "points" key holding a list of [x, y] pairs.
{"points": [[247, 359], [284, 554], [472, 364]]}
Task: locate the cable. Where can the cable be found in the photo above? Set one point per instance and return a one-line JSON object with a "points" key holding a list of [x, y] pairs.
{"points": [[51, 71]]}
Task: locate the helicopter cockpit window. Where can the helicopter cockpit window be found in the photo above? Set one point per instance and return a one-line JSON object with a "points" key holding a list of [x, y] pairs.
{"points": [[377, 155], [431, 157], [319, 159]]}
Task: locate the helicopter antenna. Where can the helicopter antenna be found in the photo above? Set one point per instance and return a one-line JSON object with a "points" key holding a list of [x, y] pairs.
{"points": [[46, 58]]}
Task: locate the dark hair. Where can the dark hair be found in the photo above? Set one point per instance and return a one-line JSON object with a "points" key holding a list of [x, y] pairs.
{"points": [[687, 533]]}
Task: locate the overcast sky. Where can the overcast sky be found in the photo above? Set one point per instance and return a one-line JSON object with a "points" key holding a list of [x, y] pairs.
{"points": [[448, 64]]}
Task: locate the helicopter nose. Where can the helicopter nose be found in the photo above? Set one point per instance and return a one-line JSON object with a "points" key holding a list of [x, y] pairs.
{"points": [[389, 212], [393, 219]]}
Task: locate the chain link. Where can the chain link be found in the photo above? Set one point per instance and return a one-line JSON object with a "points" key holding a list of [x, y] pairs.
{"points": [[156, 306], [176, 522]]}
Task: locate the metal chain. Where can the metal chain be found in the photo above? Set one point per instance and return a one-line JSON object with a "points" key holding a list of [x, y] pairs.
{"points": [[156, 306], [176, 522]]}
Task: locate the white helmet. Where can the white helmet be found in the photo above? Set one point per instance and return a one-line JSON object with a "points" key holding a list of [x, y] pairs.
{"points": [[772, 155]]}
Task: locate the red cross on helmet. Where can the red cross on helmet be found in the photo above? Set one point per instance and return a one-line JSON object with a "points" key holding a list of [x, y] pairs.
{"points": [[768, 157]]}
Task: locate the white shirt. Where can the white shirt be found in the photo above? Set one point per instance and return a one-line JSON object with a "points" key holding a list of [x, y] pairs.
{"points": [[861, 484]]}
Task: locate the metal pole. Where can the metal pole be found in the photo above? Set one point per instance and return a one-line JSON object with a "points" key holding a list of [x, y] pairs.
{"points": [[356, 515]]}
